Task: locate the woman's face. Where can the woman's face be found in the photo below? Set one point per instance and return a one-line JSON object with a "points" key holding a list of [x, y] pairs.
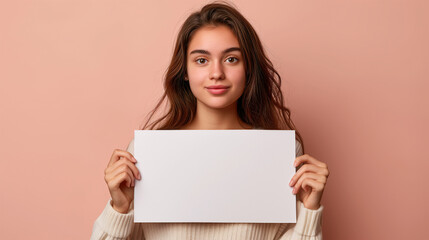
{"points": [[215, 67]]}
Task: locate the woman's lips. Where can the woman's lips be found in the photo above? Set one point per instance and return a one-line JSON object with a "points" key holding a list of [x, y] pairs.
{"points": [[217, 90]]}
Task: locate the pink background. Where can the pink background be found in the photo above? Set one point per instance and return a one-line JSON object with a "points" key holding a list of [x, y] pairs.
{"points": [[77, 77]]}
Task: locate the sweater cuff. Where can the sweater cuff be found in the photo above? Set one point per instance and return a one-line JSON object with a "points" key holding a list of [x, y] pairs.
{"points": [[116, 224], [309, 222]]}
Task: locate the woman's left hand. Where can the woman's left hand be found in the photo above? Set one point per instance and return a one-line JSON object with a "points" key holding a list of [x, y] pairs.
{"points": [[309, 181]]}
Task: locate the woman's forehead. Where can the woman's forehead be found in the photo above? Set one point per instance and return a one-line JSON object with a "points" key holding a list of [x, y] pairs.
{"points": [[214, 39]]}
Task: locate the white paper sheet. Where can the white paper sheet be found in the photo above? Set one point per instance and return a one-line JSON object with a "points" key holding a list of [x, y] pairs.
{"points": [[214, 176]]}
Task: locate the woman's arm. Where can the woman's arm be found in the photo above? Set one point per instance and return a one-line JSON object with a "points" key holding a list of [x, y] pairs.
{"points": [[308, 225], [309, 221], [112, 224]]}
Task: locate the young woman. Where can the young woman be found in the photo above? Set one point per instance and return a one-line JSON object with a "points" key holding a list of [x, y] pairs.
{"points": [[218, 78]]}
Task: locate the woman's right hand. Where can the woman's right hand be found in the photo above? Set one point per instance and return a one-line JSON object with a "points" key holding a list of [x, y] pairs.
{"points": [[120, 176]]}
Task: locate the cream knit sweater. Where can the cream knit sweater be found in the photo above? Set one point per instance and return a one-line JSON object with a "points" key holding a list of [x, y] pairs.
{"points": [[114, 225]]}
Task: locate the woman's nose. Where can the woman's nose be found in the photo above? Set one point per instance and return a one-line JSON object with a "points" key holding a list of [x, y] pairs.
{"points": [[216, 71]]}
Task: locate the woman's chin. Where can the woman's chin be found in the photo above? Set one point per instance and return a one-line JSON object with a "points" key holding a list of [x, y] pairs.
{"points": [[218, 105]]}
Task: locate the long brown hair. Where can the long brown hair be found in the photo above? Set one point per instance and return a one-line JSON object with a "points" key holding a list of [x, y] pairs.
{"points": [[261, 104]]}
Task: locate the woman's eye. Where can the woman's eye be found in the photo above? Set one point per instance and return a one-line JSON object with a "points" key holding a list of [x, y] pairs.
{"points": [[199, 60], [230, 59], [233, 58]]}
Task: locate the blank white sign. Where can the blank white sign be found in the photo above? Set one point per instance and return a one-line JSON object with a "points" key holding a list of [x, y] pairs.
{"points": [[214, 176]]}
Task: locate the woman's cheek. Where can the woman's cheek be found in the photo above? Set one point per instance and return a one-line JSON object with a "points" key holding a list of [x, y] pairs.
{"points": [[197, 80]]}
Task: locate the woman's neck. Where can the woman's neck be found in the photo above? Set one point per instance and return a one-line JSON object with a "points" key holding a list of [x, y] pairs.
{"points": [[216, 119]]}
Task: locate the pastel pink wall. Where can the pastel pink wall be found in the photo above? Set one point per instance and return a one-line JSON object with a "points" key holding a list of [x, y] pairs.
{"points": [[77, 77]]}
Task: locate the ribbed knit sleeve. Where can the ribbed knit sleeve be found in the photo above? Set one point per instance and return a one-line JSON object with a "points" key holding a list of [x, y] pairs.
{"points": [[308, 225], [112, 224]]}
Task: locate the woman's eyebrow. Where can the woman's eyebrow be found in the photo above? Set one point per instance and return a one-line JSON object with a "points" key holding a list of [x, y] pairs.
{"points": [[208, 53]]}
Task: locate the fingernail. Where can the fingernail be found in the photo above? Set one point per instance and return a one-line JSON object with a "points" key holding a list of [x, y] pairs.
{"points": [[290, 183], [293, 191], [135, 160]]}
